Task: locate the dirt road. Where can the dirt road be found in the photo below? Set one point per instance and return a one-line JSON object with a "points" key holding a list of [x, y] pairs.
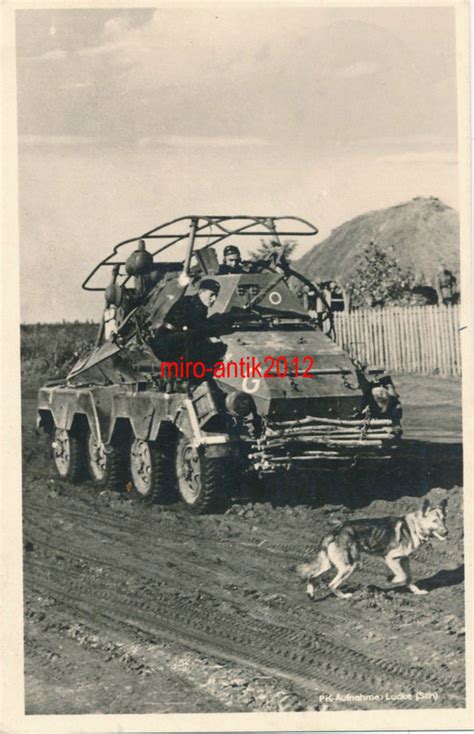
{"points": [[137, 609]]}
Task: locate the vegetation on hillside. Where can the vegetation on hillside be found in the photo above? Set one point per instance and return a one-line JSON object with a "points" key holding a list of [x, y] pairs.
{"points": [[50, 350], [379, 280]]}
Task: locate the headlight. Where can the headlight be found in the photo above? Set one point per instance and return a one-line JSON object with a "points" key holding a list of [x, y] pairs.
{"points": [[239, 403]]}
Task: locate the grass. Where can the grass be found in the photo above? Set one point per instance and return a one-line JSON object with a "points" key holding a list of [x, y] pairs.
{"points": [[50, 350]]}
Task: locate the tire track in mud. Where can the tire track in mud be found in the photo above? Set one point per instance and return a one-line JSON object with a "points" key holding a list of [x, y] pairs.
{"points": [[267, 650], [312, 663], [206, 565], [60, 650], [289, 608], [167, 575], [229, 580]]}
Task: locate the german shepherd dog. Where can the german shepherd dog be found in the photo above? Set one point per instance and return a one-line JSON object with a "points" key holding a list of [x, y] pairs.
{"points": [[392, 538]]}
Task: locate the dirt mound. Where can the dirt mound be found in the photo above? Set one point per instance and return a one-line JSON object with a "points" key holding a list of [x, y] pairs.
{"points": [[424, 233]]}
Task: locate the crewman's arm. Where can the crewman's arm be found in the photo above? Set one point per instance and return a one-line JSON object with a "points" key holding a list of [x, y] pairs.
{"points": [[218, 323], [177, 317]]}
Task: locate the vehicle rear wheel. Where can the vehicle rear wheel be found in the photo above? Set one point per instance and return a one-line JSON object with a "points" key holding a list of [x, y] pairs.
{"points": [[202, 481], [151, 469], [107, 466], [69, 454]]}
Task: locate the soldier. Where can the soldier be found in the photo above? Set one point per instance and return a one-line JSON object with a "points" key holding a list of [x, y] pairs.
{"points": [[182, 332], [232, 264], [317, 307], [446, 286], [336, 296], [190, 312]]}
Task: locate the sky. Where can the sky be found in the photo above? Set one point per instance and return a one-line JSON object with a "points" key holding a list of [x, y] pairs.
{"points": [[130, 117]]}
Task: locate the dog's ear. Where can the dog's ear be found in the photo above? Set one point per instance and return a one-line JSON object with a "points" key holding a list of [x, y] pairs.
{"points": [[425, 507], [443, 505]]}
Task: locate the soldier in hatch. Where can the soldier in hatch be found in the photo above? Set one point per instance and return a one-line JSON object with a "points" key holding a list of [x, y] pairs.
{"points": [[232, 264], [183, 332]]}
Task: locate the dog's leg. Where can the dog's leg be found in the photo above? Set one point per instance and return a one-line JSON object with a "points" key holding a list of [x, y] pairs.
{"points": [[345, 565], [342, 575], [323, 565], [396, 567], [413, 587], [416, 589]]}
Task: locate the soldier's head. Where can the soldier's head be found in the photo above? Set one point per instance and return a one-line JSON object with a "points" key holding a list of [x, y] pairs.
{"points": [[208, 291], [232, 256]]}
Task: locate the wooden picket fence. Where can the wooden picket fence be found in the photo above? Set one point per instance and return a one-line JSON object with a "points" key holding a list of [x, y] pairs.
{"points": [[412, 339]]}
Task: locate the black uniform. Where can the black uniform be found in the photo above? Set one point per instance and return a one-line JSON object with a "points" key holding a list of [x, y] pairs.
{"points": [[185, 331], [187, 313], [225, 269]]}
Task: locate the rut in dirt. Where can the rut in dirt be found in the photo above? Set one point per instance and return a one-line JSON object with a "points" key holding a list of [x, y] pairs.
{"points": [[198, 594]]}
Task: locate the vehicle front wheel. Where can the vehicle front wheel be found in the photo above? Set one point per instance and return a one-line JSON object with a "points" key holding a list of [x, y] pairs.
{"points": [[69, 454], [202, 481], [108, 466], [151, 470]]}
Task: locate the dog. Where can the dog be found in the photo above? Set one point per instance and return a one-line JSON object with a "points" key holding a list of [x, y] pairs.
{"points": [[392, 538]]}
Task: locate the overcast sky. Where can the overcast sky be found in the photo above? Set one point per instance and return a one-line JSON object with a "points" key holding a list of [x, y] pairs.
{"points": [[130, 117]]}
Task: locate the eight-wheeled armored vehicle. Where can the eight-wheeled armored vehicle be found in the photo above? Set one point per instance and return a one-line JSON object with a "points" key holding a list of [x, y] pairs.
{"points": [[274, 391]]}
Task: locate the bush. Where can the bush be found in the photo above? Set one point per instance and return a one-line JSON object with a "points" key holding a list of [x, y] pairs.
{"points": [[379, 280], [267, 250]]}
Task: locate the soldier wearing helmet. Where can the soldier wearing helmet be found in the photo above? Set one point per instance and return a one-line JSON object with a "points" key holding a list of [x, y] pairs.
{"points": [[232, 264]]}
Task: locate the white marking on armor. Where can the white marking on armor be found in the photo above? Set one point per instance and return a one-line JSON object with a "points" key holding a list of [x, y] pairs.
{"points": [[245, 385], [275, 298]]}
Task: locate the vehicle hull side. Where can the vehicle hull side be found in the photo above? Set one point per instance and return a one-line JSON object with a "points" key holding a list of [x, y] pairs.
{"points": [[107, 408]]}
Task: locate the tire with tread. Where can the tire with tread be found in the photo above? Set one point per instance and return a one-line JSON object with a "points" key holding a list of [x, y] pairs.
{"points": [[69, 455], [115, 473], [152, 472], [206, 491]]}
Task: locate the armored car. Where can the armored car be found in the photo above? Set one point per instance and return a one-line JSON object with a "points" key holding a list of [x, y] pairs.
{"points": [[260, 387]]}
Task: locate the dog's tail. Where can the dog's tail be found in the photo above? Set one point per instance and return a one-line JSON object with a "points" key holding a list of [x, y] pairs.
{"points": [[306, 570], [310, 570], [321, 563]]}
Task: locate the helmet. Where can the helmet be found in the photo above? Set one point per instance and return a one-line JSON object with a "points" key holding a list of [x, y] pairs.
{"points": [[231, 250]]}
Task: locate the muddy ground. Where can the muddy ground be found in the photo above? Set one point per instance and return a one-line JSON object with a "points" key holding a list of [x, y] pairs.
{"points": [[136, 609]]}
